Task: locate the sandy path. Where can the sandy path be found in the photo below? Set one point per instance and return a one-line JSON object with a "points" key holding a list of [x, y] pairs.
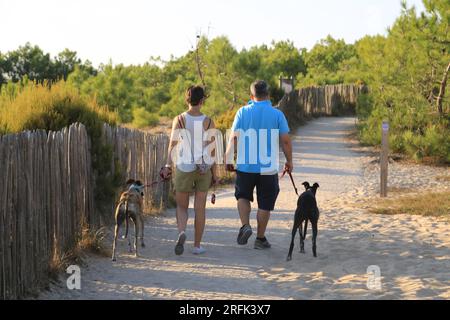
{"points": [[412, 252]]}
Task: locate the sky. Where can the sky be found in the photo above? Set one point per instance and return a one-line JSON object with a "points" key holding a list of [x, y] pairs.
{"points": [[132, 31]]}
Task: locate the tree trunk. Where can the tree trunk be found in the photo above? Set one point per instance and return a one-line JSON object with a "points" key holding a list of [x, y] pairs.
{"points": [[440, 98]]}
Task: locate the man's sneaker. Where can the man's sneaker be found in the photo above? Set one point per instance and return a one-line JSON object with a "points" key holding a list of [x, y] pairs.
{"points": [[179, 248], [198, 251], [262, 244], [244, 234]]}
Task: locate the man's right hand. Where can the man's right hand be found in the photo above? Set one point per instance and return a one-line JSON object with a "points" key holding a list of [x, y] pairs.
{"points": [[289, 167]]}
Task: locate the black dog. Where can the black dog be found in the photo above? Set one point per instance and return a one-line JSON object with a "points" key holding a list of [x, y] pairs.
{"points": [[306, 210]]}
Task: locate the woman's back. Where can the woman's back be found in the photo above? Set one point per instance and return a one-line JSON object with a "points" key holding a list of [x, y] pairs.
{"points": [[193, 141]]}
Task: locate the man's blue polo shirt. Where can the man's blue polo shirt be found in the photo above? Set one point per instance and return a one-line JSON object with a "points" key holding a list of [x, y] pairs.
{"points": [[258, 115]]}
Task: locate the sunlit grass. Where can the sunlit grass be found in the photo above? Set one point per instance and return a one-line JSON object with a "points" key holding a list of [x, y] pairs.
{"points": [[444, 178], [49, 107], [435, 204]]}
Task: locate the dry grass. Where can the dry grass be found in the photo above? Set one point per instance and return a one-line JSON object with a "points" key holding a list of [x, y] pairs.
{"points": [[429, 204], [51, 108], [401, 190], [91, 242], [59, 264], [443, 178], [164, 126]]}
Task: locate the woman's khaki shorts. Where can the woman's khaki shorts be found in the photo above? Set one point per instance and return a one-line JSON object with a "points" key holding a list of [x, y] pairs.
{"points": [[192, 181]]}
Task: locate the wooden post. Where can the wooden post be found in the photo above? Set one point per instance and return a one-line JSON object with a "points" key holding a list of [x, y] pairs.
{"points": [[384, 159]]}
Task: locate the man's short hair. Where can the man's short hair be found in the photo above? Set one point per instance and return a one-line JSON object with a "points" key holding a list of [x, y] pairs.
{"points": [[259, 89]]}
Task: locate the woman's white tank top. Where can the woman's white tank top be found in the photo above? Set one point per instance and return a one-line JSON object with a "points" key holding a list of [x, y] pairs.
{"points": [[193, 125]]}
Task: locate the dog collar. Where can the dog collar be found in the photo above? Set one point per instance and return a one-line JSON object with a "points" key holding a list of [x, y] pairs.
{"points": [[137, 188]]}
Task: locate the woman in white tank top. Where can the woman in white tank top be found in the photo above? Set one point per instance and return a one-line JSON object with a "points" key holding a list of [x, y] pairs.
{"points": [[193, 142], [193, 172]]}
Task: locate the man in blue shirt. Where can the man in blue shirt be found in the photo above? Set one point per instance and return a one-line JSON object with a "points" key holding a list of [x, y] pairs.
{"points": [[258, 130]]}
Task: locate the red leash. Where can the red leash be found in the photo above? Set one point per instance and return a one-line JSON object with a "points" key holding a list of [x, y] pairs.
{"points": [[230, 168], [154, 183], [162, 179], [292, 180]]}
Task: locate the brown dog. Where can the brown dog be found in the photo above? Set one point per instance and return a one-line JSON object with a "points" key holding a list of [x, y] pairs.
{"points": [[130, 207]]}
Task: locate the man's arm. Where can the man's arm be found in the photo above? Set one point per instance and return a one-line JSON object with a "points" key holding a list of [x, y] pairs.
{"points": [[231, 150], [286, 146]]}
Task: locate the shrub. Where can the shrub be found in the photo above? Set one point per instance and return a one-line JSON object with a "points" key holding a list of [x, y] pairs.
{"points": [[55, 107], [225, 121], [414, 129], [364, 105], [51, 108], [142, 118]]}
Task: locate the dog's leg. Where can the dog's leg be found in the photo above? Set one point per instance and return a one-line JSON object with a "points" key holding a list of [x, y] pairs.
{"points": [[314, 237], [116, 234], [141, 218], [116, 230], [127, 225], [303, 235], [291, 248], [136, 236], [130, 250], [294, 232]]}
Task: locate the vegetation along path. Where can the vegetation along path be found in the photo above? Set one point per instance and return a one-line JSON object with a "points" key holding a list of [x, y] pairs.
{"points": [[412, 252]]}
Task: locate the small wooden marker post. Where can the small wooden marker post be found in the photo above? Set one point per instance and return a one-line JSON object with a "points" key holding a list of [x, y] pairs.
{"points": [[384, 159]]}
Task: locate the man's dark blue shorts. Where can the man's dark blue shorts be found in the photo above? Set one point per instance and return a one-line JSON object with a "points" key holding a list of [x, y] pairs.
{"points": [[267, 189]]}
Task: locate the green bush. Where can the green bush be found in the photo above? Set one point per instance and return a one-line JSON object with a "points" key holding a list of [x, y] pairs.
{"points": [[58, 106], [142, 118], [364, 105], [413, 130]]}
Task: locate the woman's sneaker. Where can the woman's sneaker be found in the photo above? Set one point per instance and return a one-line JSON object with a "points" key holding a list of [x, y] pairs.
{"points": [[179, 248], [198, 251], [244, 234], [262, 244]]}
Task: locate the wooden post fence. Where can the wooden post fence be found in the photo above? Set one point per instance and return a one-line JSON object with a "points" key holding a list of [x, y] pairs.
{"points": [[47, 196], [140, 156], [384, 159]]}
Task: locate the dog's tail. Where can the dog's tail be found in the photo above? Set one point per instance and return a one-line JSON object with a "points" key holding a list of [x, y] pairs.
{"points": [[127, 218]]}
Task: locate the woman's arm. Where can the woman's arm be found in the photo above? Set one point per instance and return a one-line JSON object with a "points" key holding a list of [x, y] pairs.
{"points": [[213, 154], [172, 145], [212, 125]]}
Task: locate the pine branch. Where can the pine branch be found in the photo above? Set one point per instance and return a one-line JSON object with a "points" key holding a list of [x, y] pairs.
{"points": [[441, 95]]}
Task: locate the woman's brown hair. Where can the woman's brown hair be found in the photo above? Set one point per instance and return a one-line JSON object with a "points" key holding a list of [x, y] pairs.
{"points": [[194, 95]]}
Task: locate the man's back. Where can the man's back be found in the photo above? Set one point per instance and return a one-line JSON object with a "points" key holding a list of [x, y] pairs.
{"points": [[259, 125]]}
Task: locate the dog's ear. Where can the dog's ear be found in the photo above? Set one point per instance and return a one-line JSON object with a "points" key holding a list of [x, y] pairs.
{"points": [[306, 185], [316, 185], [130, 181]]}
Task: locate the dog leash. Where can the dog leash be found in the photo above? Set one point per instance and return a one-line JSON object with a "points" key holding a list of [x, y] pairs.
{"points": [[230, 169], [292, 180], [156, 182]]}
